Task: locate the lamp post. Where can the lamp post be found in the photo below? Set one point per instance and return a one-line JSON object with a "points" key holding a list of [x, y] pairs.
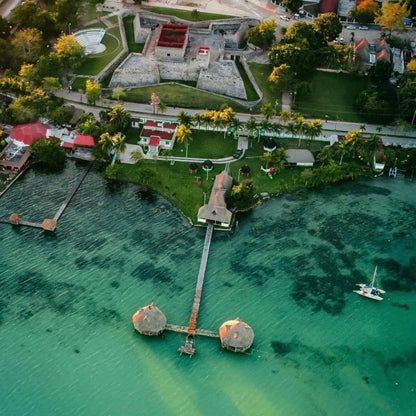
{"points": [[69, 28], [205, 197]]}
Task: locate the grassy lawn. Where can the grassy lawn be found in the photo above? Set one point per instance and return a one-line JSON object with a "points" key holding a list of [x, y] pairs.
{"points": [[113, 20], [132, 135], [87, 12], [79, 84], [336, 99], [128, 27], [251, 92], [261, 74], [95, 63], [177, 95], [210, 145], [174, 182], [187, 14]]}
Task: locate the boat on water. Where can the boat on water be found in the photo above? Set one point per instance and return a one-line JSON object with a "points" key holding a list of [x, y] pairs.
{"points": [[369, 290]]}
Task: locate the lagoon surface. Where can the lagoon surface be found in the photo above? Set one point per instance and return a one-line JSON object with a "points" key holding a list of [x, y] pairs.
{"points": [[68, 346]]}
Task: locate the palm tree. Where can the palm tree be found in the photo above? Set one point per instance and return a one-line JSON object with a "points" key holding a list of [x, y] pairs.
{"points": [[354, 138], [268, 111], [325, 156], [266, 159], [184, 118], [291, 128], [162, 107], [343, 147], [119, 146], [119, 119], [314, 129], [251, 126], [279, 159], [265, 126], [183, 135], [198, 119], [277, 128], [236, 125], [105, 143], [285, 116]]}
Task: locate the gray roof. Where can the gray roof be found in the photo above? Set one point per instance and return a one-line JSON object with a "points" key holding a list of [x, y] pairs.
{"points": [[216, 209], [299, 156]]}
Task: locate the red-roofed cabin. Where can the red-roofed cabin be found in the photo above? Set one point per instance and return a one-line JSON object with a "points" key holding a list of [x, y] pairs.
{"points": [[328, 6], [203, 50], [29, 132], [82, 140], [164, 132]]}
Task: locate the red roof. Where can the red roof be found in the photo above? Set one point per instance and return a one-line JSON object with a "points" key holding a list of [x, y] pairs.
{"points": [[151, 123], [170, 126], [172, 35], [67, 145], [165, 135], [29, 132], [328, 6], [154, 141], [82, 140]]}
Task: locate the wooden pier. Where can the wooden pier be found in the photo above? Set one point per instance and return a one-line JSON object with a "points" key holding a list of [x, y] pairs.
{"points": [[192, 331], [50, 224], [72, 193], [184, 330]]}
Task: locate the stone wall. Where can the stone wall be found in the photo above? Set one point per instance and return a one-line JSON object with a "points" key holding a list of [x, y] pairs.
{"points": [[140, 33], [179, 71], [222, 78]]}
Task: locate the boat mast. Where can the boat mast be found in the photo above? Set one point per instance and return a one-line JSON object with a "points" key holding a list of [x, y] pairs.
{"points": [[374, 277]]}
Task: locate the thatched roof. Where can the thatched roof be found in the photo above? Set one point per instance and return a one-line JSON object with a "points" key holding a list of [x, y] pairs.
{"points": [[245, 169], [236, 335], [49, 224], [149, 320], [14, 218], [216, 209]]}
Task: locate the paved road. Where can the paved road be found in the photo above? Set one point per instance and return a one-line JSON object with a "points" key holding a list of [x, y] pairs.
{"points": [[8, 6], [390, 135]]}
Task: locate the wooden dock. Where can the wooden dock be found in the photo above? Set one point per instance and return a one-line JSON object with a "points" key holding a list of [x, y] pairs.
{"points": [[72, 193], [50, 224], [184, 330], [192, 331]]}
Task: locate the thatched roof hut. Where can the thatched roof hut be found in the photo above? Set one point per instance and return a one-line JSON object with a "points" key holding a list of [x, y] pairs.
{"points": [[14, 218], [245, 170], [207, 165], [193, 167], [269, 145], [236, 335], [49, 224], [149, 320]]}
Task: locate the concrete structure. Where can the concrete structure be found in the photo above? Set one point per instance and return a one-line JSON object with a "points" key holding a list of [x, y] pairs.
{"points": [[195, 52], [299, 157]]}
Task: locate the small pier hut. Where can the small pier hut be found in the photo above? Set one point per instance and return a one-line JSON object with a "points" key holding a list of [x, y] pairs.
{"points": [[236, 335], [216, 210], [149, 320]]}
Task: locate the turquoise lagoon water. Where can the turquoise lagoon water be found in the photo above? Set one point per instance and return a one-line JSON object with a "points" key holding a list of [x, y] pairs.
{"points": [[68, 346]]}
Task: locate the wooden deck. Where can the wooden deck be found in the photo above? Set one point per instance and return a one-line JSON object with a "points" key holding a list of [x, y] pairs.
{"points": [[184, 330], [192, 330]]}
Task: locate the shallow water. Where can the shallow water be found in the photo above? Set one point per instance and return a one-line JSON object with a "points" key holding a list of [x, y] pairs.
{"points": [[66, 300]]}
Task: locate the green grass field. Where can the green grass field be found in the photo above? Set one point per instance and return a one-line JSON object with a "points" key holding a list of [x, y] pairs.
{"points": [[97, 62], [128, 27], [187, 14], [181, 96], [261, 74], [251, 92], [332, 95]]}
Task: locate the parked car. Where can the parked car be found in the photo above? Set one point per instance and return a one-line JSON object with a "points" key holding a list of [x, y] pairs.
{"points": [[283, 17], [363, 27], [339, 40], [237, 154], [351, 27]]}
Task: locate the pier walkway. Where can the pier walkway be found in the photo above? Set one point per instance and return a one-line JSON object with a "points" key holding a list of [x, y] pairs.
{"points": [[192, 331], [50, 224]]}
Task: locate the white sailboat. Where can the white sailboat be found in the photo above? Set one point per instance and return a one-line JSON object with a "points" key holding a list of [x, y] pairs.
{"points": [[370, 291]]}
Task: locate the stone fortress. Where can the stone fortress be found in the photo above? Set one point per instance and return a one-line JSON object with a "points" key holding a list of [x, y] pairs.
{"points": [[202, 52]]}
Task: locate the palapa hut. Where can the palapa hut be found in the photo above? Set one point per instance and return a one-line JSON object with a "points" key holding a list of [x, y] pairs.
{"points": [[49, 224], [216, 210], [207, 165], [269, 145], [245, 170], [193, 167], [15, 219], [149, 320], [236, 335]]}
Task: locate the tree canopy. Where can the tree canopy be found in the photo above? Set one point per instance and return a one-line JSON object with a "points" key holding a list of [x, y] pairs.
{"points": [[328, 26], [48, 153], [292, 5], [392, 16], [262, 35]]}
